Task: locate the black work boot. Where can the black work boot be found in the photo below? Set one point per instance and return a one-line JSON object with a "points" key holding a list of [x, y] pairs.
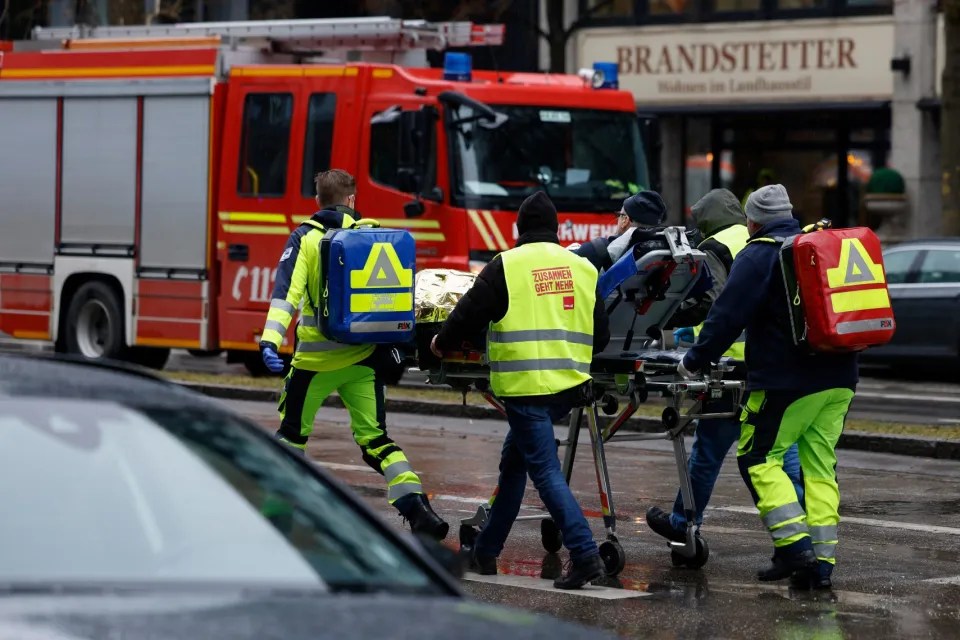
{"points": [[659, 521], [581, 572], [786, 563], [484, 565], [416, 509], [817, 579]]}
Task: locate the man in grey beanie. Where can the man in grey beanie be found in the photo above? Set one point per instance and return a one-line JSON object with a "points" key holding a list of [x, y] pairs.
{"points": [[793, 396]]}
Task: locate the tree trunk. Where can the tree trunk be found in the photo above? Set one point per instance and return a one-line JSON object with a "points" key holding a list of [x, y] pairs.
{"points": [[950, 119]]}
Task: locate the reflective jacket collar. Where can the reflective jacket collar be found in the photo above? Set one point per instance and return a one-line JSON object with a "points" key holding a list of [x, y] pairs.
{"points": [[332, 217]]}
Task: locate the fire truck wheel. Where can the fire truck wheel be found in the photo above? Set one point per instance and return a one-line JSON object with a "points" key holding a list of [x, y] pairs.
{"points": [[95, 323]]}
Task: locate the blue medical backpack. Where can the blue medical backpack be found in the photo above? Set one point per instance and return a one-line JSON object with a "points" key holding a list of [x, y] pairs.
{"points": [[368, 278]]}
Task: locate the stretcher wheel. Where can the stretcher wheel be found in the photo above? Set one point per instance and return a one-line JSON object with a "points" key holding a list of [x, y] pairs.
{"points": [[613, 557], [700, 559], [550, 536], [468, 536]]}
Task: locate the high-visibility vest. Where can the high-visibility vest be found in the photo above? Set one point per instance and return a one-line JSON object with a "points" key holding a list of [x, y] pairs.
{"points": [[734, 238], [544, 343]]}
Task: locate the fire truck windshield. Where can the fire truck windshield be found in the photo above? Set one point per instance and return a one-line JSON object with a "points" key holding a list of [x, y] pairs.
{"points": [[587, 160]]}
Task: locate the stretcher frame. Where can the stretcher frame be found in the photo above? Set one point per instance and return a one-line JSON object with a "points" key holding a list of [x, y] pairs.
{"points": [[664, 279]]}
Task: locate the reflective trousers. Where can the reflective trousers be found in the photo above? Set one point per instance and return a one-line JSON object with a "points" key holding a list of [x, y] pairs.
{"points": [[772, 422], [363, 396], [711, 445]]}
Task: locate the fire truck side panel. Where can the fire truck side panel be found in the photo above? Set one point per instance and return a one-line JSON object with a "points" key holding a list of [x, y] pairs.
{"points": [[99, 172], [172, 313], [25, 305], [176, 144], [171, 296], [28, 173]]}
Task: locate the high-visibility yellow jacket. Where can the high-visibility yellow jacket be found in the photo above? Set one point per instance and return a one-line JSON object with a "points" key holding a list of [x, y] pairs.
{"points": [[543, 345], [734, 238], [298, 287]]}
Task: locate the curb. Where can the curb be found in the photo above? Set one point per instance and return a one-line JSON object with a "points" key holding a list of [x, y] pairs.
{"points": [[854, 440]]}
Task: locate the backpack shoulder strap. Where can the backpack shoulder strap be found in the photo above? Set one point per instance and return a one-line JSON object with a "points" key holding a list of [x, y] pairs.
{"points": [[768, 239]]}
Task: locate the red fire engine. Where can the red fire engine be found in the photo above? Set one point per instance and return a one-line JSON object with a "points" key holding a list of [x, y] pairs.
{"points": [[151, 175]]}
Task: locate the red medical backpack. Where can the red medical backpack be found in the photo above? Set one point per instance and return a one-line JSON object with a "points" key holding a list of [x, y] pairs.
{"points": [[836, 289]]}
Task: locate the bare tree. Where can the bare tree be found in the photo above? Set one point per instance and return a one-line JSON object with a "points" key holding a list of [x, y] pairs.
{"points": [[950, 119], [556, 34]]}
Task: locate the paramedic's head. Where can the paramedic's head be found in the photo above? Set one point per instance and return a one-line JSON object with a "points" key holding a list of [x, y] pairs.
{"points": [[767, 204], [644, 209], [717, 210], [336, 187], [537, 213]]}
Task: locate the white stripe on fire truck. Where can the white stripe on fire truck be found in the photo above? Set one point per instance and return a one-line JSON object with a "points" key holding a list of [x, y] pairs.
{"points": [[478, 223], [492, 222]]}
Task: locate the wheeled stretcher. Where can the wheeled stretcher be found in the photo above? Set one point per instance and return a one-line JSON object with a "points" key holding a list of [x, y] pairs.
{"points": [[641, 295]]}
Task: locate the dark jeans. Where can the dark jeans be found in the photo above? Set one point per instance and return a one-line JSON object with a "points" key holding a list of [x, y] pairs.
{"points": [[710, 446], [530, 448]]}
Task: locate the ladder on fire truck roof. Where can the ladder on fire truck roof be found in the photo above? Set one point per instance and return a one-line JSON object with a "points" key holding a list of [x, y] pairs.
{"points": [[291, 36]]}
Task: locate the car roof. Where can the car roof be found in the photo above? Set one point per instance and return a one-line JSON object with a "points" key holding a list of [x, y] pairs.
{"points": [[64, 377], [911, 244]]}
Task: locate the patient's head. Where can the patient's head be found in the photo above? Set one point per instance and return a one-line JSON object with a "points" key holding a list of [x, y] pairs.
{"points": [[644, 209]]}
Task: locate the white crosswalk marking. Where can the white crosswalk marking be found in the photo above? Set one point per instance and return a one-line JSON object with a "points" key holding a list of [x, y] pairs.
{"points": [[869, 522]]}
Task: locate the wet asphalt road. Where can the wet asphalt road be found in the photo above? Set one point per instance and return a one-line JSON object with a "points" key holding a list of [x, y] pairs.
{"points": [[898, 572]]}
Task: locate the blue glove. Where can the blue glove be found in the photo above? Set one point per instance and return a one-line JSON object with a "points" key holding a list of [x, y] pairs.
{"points": [[272, 360], [684, 334]]}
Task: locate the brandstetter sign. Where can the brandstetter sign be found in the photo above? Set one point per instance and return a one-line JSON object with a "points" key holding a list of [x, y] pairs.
{"points": [[809, 60]]}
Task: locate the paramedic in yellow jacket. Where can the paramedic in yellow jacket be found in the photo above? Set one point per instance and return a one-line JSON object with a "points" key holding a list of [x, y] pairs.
{"points": [[321, 366]]}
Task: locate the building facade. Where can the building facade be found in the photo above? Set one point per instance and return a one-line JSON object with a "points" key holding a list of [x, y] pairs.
{"points": [[814, 94]]}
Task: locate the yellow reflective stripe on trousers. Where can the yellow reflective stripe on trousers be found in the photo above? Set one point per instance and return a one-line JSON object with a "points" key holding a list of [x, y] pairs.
{"points": [[788, 531], [397, 491], [540, 335], [825, 541]]}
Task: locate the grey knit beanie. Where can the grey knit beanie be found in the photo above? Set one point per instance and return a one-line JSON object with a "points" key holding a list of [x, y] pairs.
{"points": [[768, 203]]}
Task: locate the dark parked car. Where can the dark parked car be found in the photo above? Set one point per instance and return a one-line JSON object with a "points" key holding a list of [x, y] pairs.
{"points": [[135, 509], [924, 281]]}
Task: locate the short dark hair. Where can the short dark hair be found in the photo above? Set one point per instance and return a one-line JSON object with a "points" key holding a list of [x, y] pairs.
{"points": [[334, 187]]}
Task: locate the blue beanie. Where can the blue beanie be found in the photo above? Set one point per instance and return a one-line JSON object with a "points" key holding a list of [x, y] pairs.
{"points": [[646, 208]]}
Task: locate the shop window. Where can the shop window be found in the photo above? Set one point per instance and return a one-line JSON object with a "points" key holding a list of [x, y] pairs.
{"points": [[941, 266], [609, 9], [319, 142], [735, 6], [881, 4], [795, 5], [264, 145], [672, 7]]}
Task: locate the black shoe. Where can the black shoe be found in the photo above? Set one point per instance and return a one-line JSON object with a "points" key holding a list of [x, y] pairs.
{"points": [[784, 565], [817, 579], [416, 509], [659, 521], [484, 565], [581, 572]]}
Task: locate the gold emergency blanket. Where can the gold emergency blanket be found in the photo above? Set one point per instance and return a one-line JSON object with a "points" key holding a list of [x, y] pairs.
{"points": [[438, 291]]}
